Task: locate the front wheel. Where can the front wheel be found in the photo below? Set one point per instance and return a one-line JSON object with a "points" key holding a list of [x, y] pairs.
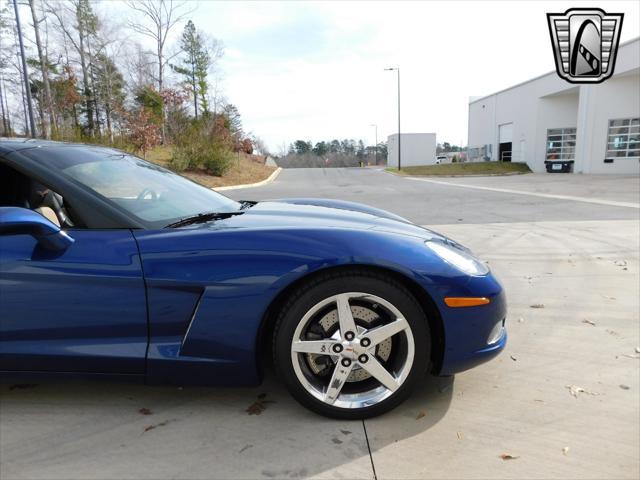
{"points": [[351, 345]]}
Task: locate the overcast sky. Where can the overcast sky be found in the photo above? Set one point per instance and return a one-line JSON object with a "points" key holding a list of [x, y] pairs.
{"points": [[314, 70]]}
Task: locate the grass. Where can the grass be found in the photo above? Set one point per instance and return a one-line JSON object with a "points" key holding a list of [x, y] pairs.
{"points": [[472, 168], [244, 169]]}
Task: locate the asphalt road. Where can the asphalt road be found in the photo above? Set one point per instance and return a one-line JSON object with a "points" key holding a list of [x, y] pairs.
{"points": [[576, 260], [425, 202]]}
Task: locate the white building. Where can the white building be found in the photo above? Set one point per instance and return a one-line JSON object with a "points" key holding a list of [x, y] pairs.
{"points": [[415, 149], [597, 126]]}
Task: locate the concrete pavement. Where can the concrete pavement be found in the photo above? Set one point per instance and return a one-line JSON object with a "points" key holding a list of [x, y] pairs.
{"points": [[520, 404], [578, 262]]}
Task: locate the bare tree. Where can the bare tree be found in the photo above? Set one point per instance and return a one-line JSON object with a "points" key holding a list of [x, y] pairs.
{"points": [[80, 12], [18, 65], [5, 128], [139, 67], [160, 16], [3, 64], [44, 70]]}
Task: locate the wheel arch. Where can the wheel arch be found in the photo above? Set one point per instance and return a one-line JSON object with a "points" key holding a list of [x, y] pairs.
{"points": [[432, 313]]}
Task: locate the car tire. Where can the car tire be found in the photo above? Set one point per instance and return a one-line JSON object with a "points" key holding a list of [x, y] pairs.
{"points": [[314, 323]]}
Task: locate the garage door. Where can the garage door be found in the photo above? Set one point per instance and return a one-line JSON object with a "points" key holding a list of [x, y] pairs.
{"points": [[506, 133]]}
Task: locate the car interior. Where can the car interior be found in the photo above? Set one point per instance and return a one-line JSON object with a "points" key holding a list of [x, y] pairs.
{"points": [[18, 190]]}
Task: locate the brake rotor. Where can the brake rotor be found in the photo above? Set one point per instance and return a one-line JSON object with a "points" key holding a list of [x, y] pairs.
{"points": [[364, 318]]}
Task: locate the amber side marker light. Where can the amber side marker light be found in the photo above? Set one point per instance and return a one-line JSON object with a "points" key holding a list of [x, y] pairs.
{"points": [[466, 301]]}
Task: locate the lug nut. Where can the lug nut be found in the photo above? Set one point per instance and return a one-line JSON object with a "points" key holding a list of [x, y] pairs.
{"points": [[346, 362], [365, 342], [349, 336], [337, 348], [363, 358]]}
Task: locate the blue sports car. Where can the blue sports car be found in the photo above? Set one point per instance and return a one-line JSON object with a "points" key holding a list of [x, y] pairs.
{"points": [[114, 268]]}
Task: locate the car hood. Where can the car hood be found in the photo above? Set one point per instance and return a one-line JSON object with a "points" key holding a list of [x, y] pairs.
{"points": [[321, 213]]}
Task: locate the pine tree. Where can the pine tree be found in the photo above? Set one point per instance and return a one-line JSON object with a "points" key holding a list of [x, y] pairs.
{"points": [[196, 63]]}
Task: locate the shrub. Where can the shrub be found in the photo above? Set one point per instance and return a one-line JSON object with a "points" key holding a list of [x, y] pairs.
{"points": [[199, 148], [144, 134]]}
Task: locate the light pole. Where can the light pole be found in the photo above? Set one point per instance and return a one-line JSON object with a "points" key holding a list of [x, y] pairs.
{"points": [[376, 145], [25, 73], [397, 69]]}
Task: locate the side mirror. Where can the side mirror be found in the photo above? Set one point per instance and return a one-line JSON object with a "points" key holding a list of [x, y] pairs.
{"points": [[22, 221]]}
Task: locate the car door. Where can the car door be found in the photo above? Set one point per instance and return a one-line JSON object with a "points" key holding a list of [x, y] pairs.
{"points": [[78, 310]]}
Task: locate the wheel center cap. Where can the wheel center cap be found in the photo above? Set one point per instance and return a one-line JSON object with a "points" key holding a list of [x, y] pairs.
{"points": [[352, 349]]}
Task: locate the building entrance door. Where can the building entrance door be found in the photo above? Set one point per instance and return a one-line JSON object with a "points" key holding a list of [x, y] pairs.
{"points": [[505, 135]]}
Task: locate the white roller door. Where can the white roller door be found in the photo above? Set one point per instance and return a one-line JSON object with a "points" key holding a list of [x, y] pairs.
{"points": [[505, 134]]}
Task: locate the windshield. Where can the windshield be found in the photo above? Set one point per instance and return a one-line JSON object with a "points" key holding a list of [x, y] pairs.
{"points": [[151, 194]]}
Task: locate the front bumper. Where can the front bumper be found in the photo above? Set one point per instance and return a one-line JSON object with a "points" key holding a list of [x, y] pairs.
{"points": [[474, 335]]}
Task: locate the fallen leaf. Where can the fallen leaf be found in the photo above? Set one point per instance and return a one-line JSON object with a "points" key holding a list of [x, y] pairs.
{"points": [[565, 451], [346, 432], [460, 435], [256, 408], [246, 447], [161, 424], [337, 441], [575, 390], [145, 411], [513, 358], [590, 322], [259, 406], [538, 400], [624, 387], [506, 456], [621, 263], [420, 415], [537, 305]]}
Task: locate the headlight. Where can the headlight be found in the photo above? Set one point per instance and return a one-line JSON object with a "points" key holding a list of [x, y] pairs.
{"points": [[460, 259]]}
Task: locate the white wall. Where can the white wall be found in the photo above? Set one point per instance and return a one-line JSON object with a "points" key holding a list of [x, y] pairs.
{"points": [[416, 149], [618, 97], [554, 111], [517, 105], [550, 102]]}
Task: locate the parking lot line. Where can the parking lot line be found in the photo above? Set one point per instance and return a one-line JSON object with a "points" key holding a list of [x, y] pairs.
{"points": [[598, 201]]}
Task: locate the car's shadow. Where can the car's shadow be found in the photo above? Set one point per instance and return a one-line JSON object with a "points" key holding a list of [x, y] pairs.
{"points": [[82, 430]]}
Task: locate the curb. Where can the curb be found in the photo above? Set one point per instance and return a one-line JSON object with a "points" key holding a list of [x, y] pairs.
{"points": [[270, 179], [508, 174]]}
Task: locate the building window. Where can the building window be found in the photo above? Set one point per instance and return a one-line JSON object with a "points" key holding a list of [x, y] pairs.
{"points": [[623, 139], [561, 144]]}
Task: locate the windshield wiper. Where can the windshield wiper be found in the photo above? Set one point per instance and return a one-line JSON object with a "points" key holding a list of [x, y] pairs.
{"points": [[203, 217]]}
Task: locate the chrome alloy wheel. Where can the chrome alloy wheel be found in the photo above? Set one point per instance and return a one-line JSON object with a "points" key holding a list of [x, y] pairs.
{"points": [[352, 350]]}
